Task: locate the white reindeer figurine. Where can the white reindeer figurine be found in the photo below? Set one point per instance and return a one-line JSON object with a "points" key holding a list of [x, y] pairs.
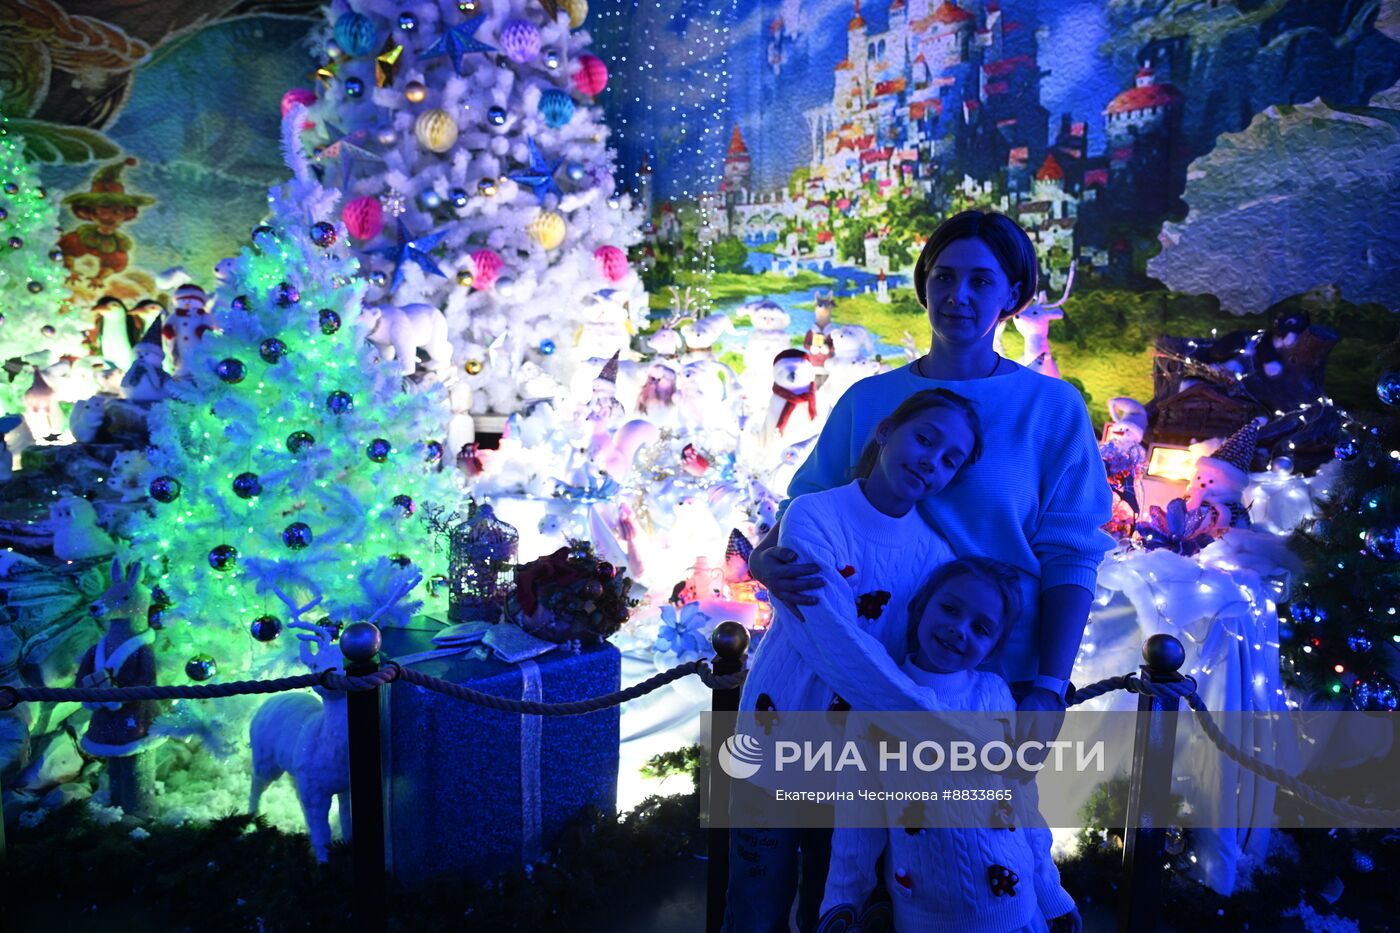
{"points": [[306, 737], [1034, 325]]}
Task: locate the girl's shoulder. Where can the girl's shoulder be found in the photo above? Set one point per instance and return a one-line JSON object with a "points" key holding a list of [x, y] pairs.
{"points": [[990, 691]]}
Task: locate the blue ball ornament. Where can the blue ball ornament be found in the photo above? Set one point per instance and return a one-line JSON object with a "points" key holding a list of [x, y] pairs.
{"points": [[239, 303], [405, 503], [265, 628], [323, 234], [285, 294], [339, 402], [1383, 543], [1388, 387], [1362, 862], [1358, 642], [496, 116], [201, 667], [297, 535], [547, 347], [329, 321], [299, 441], [165, 489], [230, 370], [247, 485], [354, 88], [430, 199], [557, 107], [272, 350], [223, 556], [432, 451], [458, 197], [378, 450], [355, 34], [575, 171], [408, 22], [1348, 450]]}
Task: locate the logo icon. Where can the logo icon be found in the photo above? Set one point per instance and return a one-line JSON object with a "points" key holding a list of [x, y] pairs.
{"points": [[740, 756]]}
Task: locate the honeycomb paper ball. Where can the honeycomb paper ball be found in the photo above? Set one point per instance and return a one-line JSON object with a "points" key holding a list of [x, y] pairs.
{"points": [[557, 107], [297, 95], [578, 12], [547, 229], [364, 217], [355, 33], [436, 130], [612, 263], [520, 40], [592, 75], [488, 269]]}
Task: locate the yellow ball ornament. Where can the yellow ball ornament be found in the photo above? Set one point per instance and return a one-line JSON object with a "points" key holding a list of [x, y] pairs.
{"points": [[473, 367], [465, 278], [415, 92], [436, 130], [547, 229], [578, 12]]}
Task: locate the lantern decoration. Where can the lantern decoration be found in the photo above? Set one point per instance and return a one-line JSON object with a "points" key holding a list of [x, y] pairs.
{"points": [[364, 217], [557, 107], [520, 40], [488, 269], [612, 263], [481, 566], [547, 229], [435, 129], [592, 75]]}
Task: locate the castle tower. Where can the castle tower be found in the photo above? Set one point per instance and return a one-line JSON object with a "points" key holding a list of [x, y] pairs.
{"points": [[738, 167], [1143, 108], [855, 46]]}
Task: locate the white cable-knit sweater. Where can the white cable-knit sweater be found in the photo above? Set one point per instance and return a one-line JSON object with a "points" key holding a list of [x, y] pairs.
{"points": [[871, 565], [938, 878]]}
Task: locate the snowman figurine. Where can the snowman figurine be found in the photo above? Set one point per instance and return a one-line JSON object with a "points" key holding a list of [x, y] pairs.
{"points": [[187, 325], [1220, 480], [792, 409]]}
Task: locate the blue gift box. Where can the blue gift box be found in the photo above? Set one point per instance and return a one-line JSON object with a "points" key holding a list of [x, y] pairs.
{"points": [[473, 792]]}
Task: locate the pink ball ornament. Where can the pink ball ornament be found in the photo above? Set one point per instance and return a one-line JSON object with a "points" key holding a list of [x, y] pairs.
{"points": [[592, 75], [364, 218], [612, 263], [488, 269], [297, 95], [520, 40]]}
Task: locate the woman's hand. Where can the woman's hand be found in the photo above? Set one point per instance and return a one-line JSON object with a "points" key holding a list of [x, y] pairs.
{"points": [[1067, 923], [1046, 716], [784, 578]]}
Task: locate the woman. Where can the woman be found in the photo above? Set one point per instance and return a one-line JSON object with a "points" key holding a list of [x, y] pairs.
{"points": [[1035, 499]]}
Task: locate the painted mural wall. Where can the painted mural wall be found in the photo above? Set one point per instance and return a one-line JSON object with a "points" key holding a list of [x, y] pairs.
{"points": [[1192, 162]]}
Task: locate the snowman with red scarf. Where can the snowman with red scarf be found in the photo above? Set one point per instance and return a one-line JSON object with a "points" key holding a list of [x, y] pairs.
{"points": [[186, 325], [792, 409]]}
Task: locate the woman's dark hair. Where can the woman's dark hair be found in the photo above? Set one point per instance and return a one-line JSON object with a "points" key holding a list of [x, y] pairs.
{"points": [[1003, 236], [1003, 578], [916, 404]]}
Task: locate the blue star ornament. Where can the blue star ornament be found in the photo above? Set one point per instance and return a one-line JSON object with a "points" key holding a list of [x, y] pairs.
{"points": [[347, 147], [539, 178], [411, 249], [456, 42]]}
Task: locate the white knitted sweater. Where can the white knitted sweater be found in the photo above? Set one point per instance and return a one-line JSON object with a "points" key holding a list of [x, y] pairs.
{"points": [[846, 645], [938, 878]]}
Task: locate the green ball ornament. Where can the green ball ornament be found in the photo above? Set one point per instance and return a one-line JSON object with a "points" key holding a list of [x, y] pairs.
{"points": [[201, 667]]}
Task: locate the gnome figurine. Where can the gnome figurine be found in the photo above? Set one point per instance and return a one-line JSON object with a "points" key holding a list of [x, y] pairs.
{"points": [[1220, 480], [603, 408], [147, 380]]}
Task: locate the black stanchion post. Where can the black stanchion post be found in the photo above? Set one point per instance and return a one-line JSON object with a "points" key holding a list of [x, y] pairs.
{"points": [[1149, 791], [731, 641], [360, 646]]}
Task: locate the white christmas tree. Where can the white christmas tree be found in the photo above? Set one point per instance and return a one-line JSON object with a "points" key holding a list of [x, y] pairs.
{"points": [[291, 469], [479, 181], [36, 326]]}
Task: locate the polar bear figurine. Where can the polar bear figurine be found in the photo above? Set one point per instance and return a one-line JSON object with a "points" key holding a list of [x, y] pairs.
{"points": [[76, 534], [400, 332]]}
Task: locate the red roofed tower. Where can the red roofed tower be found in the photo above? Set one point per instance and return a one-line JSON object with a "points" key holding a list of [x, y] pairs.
{"points": [[738, 165], [1144, 107]]}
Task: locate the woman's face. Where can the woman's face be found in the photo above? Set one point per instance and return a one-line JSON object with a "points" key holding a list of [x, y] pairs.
{"points": [[968, 293]]}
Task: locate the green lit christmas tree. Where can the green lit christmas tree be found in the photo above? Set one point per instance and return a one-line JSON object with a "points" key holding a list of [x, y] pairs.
{"points": [[35, 326], [1340, 638], [292, 467]]}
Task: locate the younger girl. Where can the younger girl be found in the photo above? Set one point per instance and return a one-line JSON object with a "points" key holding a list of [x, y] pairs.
{"points": [[971, 879], [870, 547]]}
